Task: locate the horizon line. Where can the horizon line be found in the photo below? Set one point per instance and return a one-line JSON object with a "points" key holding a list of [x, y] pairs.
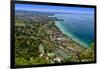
{"points": [[53, 11]]}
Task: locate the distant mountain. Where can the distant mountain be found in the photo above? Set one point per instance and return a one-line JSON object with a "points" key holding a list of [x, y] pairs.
{"points": [[23, 12]]}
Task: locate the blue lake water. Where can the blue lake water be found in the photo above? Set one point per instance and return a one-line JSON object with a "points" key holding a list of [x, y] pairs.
{"points": [[78, 26]]}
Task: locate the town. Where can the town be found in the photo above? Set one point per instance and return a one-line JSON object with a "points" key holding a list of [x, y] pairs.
{"points": [[39, 41]]}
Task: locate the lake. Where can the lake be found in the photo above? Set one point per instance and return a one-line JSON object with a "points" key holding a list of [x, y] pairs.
{"points": [[78, 26]]}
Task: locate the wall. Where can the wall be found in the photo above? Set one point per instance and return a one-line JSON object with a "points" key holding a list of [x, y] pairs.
{"points": [[5, 34]]}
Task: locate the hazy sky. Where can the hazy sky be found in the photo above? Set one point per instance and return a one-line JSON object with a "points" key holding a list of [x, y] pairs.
{"points": [[48, 8]]}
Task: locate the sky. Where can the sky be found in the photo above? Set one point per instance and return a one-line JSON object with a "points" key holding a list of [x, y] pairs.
{"points": [[48, 8]]}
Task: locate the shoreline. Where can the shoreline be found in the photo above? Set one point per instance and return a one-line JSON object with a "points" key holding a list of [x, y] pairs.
{"points": [[66, 34], [46, 38]]}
